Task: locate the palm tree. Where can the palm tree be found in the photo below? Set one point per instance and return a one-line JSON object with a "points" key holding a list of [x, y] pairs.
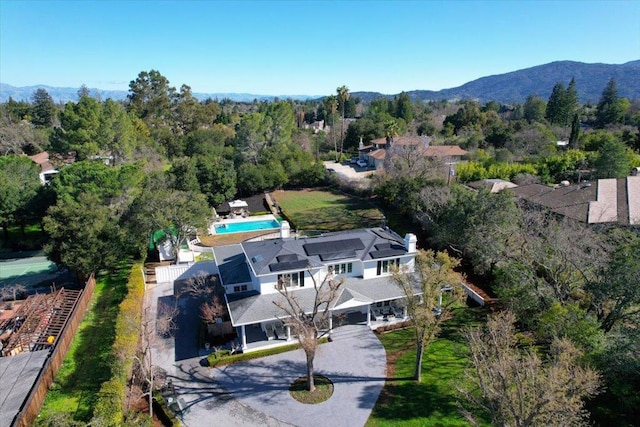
{"points": [[343, 96]]}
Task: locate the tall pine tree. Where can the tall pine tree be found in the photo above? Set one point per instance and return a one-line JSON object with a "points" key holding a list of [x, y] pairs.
{"points": [[575, 132], [570, 102], [609, 110], [555, 106], [43, 110], [562, 104]]}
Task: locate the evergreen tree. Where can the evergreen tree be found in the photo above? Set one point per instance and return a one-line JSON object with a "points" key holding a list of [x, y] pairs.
{"points": [[562, 104], [575, 131], [570, 101], [404, 108], [609, 109], [613, 160], [43, 109], [555, 105]]}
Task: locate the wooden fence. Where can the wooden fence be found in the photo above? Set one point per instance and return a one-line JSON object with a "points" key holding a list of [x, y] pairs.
{"points": [[33, 402], [171, 273]]}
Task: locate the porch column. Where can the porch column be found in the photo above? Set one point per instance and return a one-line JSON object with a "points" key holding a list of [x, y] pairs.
{"points": [[330, 324], [244, 338], [369, 315], [404, 312], [288, 333]]}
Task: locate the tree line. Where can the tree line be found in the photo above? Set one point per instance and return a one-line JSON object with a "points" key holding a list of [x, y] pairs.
{"points": [[171, 158]]}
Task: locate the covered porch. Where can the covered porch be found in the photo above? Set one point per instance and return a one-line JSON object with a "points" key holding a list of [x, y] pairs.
{"points": [[275, 333]]}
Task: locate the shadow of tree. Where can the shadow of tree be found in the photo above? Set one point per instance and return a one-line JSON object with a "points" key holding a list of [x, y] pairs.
{"points": [[92, 348], [427, 401]]}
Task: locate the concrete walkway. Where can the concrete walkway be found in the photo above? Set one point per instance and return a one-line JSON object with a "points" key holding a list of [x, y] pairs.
{"points": [[256, 392]]}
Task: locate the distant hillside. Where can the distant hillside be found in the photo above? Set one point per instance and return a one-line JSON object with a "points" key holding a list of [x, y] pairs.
{"points": [[517, 85], [506, 88], [65, 94]]}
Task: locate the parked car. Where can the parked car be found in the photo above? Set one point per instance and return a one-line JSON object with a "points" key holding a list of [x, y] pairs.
{"points": [[353, 160], [362, 163]]}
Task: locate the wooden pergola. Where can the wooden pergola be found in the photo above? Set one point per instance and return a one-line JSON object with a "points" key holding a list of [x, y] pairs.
{"points": [[39, 321]]}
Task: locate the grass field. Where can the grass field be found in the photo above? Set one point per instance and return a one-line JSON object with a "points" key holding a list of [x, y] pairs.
{"points": [[88, 362], [433, 402], [32, 239], [327, 211]]}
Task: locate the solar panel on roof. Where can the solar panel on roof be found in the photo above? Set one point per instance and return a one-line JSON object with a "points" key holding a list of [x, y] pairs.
{"points": [[287, 257], [289, 265], [386, 253], [333, 246], [382, 246]]}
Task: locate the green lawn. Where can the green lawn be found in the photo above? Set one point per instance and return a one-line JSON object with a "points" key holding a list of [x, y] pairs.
{"points": [[32, 239], [433, 402], [326, 210], [88, 362]]}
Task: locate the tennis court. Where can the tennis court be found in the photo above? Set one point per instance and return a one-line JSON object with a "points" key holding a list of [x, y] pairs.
{"points": [[27, 271]]}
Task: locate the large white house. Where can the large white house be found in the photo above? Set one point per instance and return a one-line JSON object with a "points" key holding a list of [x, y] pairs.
{"points": [[252, 272]]}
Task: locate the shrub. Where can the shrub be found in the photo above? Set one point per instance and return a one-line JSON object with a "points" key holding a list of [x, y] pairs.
{"points": [[226, 358], [109, 409]]}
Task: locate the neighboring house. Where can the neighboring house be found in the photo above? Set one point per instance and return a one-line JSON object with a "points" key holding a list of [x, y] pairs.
{"points": [[494, 185], [47, 171], [253, 272], [376, 152], [316, 126], [612, 200]]}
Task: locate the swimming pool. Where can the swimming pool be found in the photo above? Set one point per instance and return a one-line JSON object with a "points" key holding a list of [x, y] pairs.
{"points": [[239, 227]]}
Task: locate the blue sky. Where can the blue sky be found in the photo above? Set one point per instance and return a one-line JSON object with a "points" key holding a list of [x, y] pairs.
{"points": [[304, 47]]}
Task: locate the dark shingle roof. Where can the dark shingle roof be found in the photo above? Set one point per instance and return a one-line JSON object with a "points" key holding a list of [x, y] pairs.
{"points": [[604, 200], [231, 264], [344, 245], [17, 375]]}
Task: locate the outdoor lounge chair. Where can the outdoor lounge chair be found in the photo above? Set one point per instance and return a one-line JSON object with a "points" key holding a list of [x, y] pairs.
{"points": [[279, 331], [399, 312], [269, 331]]}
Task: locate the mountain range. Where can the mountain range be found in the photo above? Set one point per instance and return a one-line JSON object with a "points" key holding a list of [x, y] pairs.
{"points": [[512, 87]]}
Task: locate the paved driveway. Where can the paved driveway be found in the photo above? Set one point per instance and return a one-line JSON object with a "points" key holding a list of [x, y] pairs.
{"points": [[355, 361], [255, 393]]}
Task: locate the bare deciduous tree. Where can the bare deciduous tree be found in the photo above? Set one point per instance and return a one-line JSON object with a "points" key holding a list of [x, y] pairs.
{"points": [[515, 387], [424, 289], [201, 285], [210, 311], [309, 321], [12, 291], [147, 375]]}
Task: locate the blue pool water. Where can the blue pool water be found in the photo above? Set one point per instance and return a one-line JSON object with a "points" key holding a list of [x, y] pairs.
{"points": [[238, 227]]}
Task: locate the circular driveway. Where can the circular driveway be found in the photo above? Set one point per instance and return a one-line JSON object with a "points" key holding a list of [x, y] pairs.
{"points": [[355, 361]]}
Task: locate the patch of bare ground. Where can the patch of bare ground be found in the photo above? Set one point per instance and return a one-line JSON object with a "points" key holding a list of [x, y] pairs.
{"points": [[232, 238]]}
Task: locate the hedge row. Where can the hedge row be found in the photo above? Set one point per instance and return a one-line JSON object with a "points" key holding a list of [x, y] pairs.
{"points": [[225, 358], [109, 409]]}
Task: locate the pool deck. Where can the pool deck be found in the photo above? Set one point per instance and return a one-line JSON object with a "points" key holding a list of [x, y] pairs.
{"points": [[212, 229]]}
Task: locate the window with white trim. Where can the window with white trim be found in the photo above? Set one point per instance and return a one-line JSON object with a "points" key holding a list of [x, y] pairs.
{"points": [[384, 266], [343, 268], [240, 288]]}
